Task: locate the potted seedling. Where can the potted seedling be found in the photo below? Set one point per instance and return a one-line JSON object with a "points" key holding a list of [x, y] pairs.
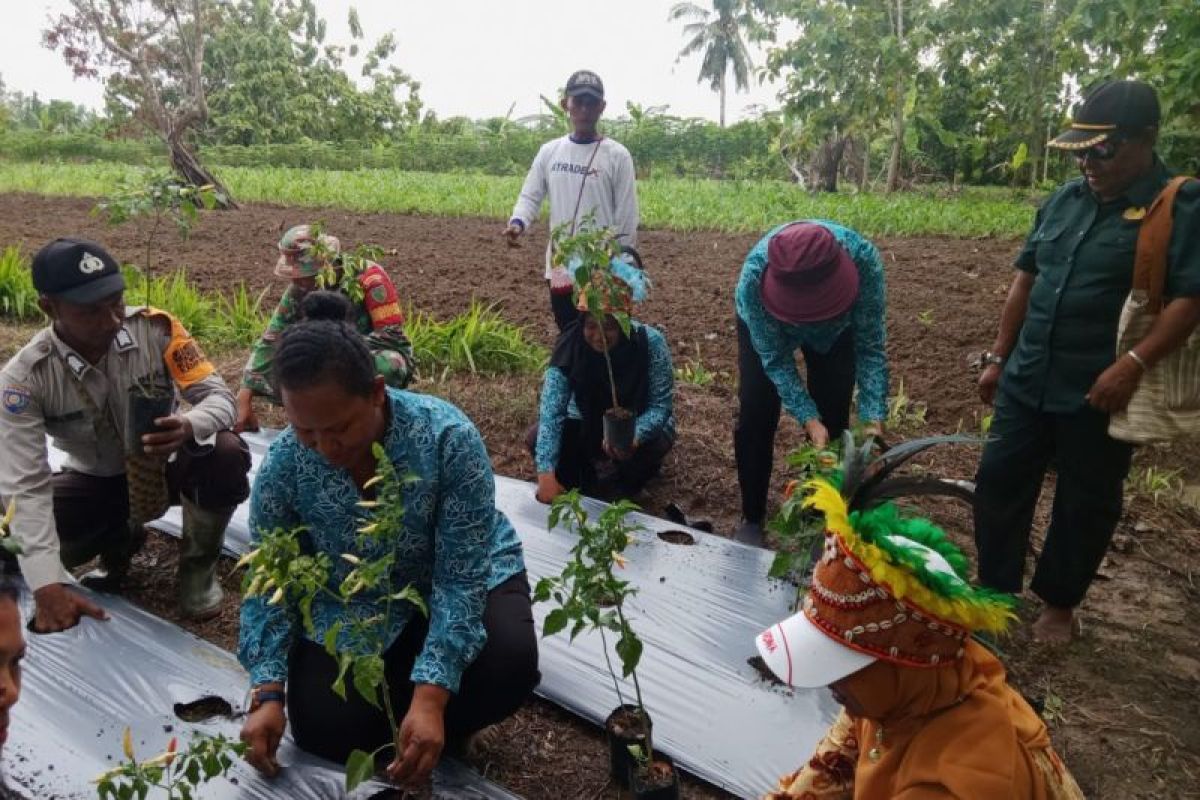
{"points": [[281, 569], [590, 253], [588, 595], [179, 774]]}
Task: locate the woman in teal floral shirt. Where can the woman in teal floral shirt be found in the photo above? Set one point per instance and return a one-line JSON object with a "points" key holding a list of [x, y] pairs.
{"points": [[817, 287], [475, 660]]}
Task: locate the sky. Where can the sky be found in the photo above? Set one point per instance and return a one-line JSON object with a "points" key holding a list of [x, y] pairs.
{"points": [[474, 58]]}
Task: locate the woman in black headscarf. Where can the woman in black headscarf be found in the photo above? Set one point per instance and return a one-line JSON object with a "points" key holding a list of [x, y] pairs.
{"points": [[568, 442]]}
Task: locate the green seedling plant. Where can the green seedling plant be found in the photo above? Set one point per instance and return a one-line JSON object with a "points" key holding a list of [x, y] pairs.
{"points": [[694, 372], [162, 198], [798, 530], [603, 293], [588, 595], [179, 774], [340, 269], [280, 570]]}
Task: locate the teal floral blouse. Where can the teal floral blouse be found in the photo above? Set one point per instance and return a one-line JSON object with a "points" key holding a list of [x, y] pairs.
{"points": [[457, 546], [776, 342], [557, 403]]}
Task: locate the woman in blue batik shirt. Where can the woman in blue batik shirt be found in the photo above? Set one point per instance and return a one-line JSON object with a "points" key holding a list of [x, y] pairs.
{"points": [[474, 660], [816, 287], [567, 442]]}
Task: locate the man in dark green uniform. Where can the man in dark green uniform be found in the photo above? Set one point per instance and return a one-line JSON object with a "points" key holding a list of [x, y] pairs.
{"points": [[1053, 370]]}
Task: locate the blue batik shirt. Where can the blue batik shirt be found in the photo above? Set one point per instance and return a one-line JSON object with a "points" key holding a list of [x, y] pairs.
{"points": [[776, 342], [558, 404], [456, 546]]}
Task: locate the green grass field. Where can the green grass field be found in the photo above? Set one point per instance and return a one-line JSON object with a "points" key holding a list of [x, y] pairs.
{"points": [[733, 206]]}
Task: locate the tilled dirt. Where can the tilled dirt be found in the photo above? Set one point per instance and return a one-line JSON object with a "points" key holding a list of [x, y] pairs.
{"points": [[1121, 700]]}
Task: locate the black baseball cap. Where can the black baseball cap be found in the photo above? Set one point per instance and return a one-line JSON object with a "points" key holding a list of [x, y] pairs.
{"points": [[1112, 107], [585, 81], [77, 271]]}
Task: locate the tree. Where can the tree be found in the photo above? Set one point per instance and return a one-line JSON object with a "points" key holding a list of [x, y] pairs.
{"points": [[719, 35], [272, 78], [850, 69], [152, 53]]}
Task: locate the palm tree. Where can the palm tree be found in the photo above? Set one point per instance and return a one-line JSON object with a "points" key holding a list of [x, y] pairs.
{"points": [[718, 33]]}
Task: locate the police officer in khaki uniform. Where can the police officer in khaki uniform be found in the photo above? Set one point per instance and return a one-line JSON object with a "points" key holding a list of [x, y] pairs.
{"points": [[72, 382]]}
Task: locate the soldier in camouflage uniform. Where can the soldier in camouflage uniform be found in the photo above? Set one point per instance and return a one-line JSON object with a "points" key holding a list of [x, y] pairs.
{"points": [[377, 316], [73, 382]]}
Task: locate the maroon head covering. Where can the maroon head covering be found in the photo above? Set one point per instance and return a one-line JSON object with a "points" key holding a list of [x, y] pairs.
{"points": [[809, 276]]}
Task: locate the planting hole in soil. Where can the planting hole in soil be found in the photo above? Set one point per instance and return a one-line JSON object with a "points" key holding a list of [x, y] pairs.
{"points": [[676, 537], [764, 672], [204, 709]]}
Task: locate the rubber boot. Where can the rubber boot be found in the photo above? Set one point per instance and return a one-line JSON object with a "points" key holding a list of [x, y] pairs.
{"points": [[203, 534]]}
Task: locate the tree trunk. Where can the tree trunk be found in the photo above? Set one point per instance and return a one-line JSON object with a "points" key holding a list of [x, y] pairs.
{"points": [[188, 167], [827, 162], [864, 180], [893, 177], [722, 99]]}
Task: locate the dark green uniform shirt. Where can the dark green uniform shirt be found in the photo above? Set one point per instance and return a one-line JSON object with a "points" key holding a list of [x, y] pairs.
{"points": [[1081, 254]]}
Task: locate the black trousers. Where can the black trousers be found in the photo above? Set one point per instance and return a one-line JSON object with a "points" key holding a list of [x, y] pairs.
{"points": [[492, 688], [829, 378], [91, 513], [1091, 468], [576, 468]]}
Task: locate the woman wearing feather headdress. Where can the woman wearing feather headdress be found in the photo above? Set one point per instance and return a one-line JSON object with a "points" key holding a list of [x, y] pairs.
{"points": [[886, 625]]}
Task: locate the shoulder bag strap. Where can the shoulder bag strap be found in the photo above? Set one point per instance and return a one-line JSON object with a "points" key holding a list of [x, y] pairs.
{"points": [[1154, 238]]}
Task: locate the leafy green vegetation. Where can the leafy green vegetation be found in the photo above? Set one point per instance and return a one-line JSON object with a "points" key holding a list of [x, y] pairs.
{"points": [[679, 204], [18, 298], [479, 340]]}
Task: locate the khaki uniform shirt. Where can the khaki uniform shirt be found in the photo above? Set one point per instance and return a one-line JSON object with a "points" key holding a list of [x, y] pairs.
{"points": [[40, 394]]}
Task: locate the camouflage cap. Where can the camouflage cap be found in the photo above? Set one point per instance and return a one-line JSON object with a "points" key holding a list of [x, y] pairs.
{"points": [[295, 257]]}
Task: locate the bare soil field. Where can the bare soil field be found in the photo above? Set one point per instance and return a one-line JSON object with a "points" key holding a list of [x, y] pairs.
{"points": [[1121, 700]]}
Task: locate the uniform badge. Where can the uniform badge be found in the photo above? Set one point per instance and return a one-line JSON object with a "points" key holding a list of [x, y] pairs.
{"points": [[1134, 213], [76, 364], [16, 399], [124, 340], [90, 263]]}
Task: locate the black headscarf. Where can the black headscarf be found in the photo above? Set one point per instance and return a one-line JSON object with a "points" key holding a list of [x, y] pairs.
{"points": [[588, 377]]}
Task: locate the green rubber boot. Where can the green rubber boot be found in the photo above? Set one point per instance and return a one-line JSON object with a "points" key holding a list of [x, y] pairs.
{"points": [[203, 534]]}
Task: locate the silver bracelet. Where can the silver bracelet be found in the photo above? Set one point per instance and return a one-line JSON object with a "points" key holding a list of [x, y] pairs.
{"points": [[1138, 359]]}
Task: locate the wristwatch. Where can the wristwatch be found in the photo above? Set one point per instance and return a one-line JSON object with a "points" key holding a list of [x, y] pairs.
{"points": [[259, 695], [991, 358]]}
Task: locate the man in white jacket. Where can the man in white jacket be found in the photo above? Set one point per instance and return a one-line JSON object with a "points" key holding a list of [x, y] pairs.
{"points": [[584, 173]]}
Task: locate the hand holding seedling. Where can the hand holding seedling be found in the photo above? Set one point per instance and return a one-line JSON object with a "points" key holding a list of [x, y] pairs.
{"points": [[59, 608], [174, 431], [548, 487], [617, 454], [262, 733], [421, 737], [818, 434]]}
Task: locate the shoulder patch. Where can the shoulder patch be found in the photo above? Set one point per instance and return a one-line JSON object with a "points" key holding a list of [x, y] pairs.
{"points": [[15, 399], [184, 358]]}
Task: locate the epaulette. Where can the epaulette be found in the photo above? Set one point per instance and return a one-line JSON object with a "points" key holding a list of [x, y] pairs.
{"points": [[33, 353]]}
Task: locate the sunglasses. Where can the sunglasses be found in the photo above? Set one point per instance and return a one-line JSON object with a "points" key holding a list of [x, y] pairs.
{"points": [[1103, 151]]}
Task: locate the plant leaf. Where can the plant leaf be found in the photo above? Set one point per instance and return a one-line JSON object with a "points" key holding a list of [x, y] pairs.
{"points": [[629, 649], [360, 766], [556, 621]]}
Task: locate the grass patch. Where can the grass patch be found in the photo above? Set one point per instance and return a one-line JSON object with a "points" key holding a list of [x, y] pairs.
{"points": [[679, 204], [478, 341], [18, 298]]}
